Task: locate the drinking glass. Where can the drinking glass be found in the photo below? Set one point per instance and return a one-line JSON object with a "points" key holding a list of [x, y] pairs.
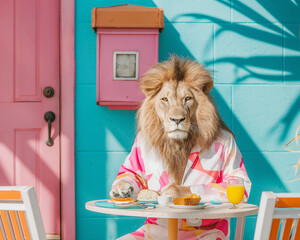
{"points": [[235, 191]]}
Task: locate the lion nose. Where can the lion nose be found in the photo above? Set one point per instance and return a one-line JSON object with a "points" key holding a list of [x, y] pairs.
{"points": [[177, 120]]}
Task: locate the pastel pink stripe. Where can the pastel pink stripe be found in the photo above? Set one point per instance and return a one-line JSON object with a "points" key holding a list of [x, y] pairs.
{"points": [[136, 160], [219, 150], [200, 175], [149, 176], [163, 180], [124, 169], [138, 233], [151, 221], [198, 166], [223, 226], [242, 166], [193, 156], [220, 177], [136, 139], [207, 222]]}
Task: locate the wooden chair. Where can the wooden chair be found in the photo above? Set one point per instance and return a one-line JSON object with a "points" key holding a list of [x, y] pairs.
{"points": [[276, 208], [20, 216]]}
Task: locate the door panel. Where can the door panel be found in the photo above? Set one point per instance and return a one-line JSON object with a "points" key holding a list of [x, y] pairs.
{"points": [[29, 62], [27, 27]]}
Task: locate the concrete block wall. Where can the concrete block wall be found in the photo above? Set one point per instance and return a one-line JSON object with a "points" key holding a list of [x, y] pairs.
{"points": [[253, 51]]}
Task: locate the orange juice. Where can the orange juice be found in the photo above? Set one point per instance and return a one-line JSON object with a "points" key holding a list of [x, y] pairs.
{"points": [[235, 193]]}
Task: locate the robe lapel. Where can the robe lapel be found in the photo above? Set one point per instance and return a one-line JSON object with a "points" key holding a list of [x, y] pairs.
{"points": [[190, 163]]}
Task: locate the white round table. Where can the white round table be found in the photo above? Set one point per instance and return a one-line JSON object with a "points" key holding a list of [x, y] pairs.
{"points": [[210, 212]]}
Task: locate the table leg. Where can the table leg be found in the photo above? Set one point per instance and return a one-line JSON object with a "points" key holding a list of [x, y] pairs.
{"points": [[173, 229], [239, 230]]}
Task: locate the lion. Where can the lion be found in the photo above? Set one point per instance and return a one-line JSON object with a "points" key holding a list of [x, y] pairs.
{"points": [[177, 114], [182, 147]]}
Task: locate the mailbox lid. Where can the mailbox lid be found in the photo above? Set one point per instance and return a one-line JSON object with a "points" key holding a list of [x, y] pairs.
{"points": [[128, 16]]}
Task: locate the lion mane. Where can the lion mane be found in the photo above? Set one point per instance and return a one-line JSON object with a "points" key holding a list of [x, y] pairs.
{"points": [[206, 123]]}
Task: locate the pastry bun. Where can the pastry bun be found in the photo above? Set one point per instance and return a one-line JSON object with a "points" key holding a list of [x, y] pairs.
{"points": [[147, 195]]}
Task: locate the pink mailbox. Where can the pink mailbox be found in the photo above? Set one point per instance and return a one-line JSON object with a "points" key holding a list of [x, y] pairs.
{"points": [[127, 46]]}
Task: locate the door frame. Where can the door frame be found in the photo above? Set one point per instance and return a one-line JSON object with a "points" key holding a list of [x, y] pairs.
{"points": [[67, 134]]}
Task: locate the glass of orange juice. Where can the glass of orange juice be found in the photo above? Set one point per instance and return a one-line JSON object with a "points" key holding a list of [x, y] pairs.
{"points": [[235, 191]]}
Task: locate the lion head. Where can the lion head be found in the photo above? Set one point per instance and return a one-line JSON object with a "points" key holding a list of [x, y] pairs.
{"points": [[178, 112]]}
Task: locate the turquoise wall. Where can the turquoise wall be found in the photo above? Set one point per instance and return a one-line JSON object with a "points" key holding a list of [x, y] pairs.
{"points": [[253, 50]]}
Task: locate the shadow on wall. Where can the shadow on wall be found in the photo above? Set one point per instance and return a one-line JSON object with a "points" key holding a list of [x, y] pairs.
{"points": [[280, 29], [251, 64]]}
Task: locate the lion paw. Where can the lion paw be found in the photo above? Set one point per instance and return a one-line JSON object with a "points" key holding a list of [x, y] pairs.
{"points": [[122, 189], [175, 190]]}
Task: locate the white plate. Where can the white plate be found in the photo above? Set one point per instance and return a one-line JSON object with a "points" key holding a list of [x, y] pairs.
{"points": [[200, 206], [147, 201], [120, 202]]}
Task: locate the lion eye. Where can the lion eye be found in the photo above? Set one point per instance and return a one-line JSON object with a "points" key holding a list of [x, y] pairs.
{"points": [[188, 99], [164, 99]]}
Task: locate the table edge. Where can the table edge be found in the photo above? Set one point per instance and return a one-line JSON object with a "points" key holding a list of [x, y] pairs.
{"points": [[148, 213]]}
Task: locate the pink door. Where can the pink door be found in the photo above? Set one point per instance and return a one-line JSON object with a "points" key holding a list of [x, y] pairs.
{"points": [[29, 62]]}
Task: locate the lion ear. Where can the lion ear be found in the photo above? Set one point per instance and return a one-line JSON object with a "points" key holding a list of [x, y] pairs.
{"points": [[202, 78], [208, 86], [150, 86]]}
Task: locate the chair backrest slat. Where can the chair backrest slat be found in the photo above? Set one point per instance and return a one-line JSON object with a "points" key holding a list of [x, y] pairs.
{"points": [[274, 229], [24, 225], [282, 229], [287, 203], [297, 234], [1, 230], [6, 225], [10, 195], [15, 225], [287, 229], [19, 225], [294, 229]]}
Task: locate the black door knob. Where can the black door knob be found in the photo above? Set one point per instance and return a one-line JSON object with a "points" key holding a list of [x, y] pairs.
{"points": [[48, 92]]}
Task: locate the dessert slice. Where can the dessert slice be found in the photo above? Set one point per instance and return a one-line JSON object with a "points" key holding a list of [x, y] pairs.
{"points": [[193, 199]]}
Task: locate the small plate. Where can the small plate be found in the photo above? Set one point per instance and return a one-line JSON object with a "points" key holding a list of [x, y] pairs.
{"points": [[148, 201], [200, 206], [120, 202], [132, 204]]}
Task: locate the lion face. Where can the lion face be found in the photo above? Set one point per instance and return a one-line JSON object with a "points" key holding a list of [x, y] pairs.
{"points": [[178, 112], [175, 105]]}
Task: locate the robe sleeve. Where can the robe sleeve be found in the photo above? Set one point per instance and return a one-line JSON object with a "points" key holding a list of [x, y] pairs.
{"points": [[232, 165], [133, 170]]}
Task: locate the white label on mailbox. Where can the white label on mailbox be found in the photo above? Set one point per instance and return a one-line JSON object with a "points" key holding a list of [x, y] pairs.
{"points": [[126, 65]]}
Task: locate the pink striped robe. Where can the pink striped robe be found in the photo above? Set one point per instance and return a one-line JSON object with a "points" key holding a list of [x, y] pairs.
{"points": [[206, 173]]}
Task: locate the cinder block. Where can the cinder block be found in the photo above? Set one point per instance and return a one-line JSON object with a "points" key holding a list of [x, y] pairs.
{"points": [[264, 117], [248, 53], [194, 40], [95, 173], [270, 171], [222, 96], [195, 11], [279, 11], [85, 54], [98, 128], [291, 54]]}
